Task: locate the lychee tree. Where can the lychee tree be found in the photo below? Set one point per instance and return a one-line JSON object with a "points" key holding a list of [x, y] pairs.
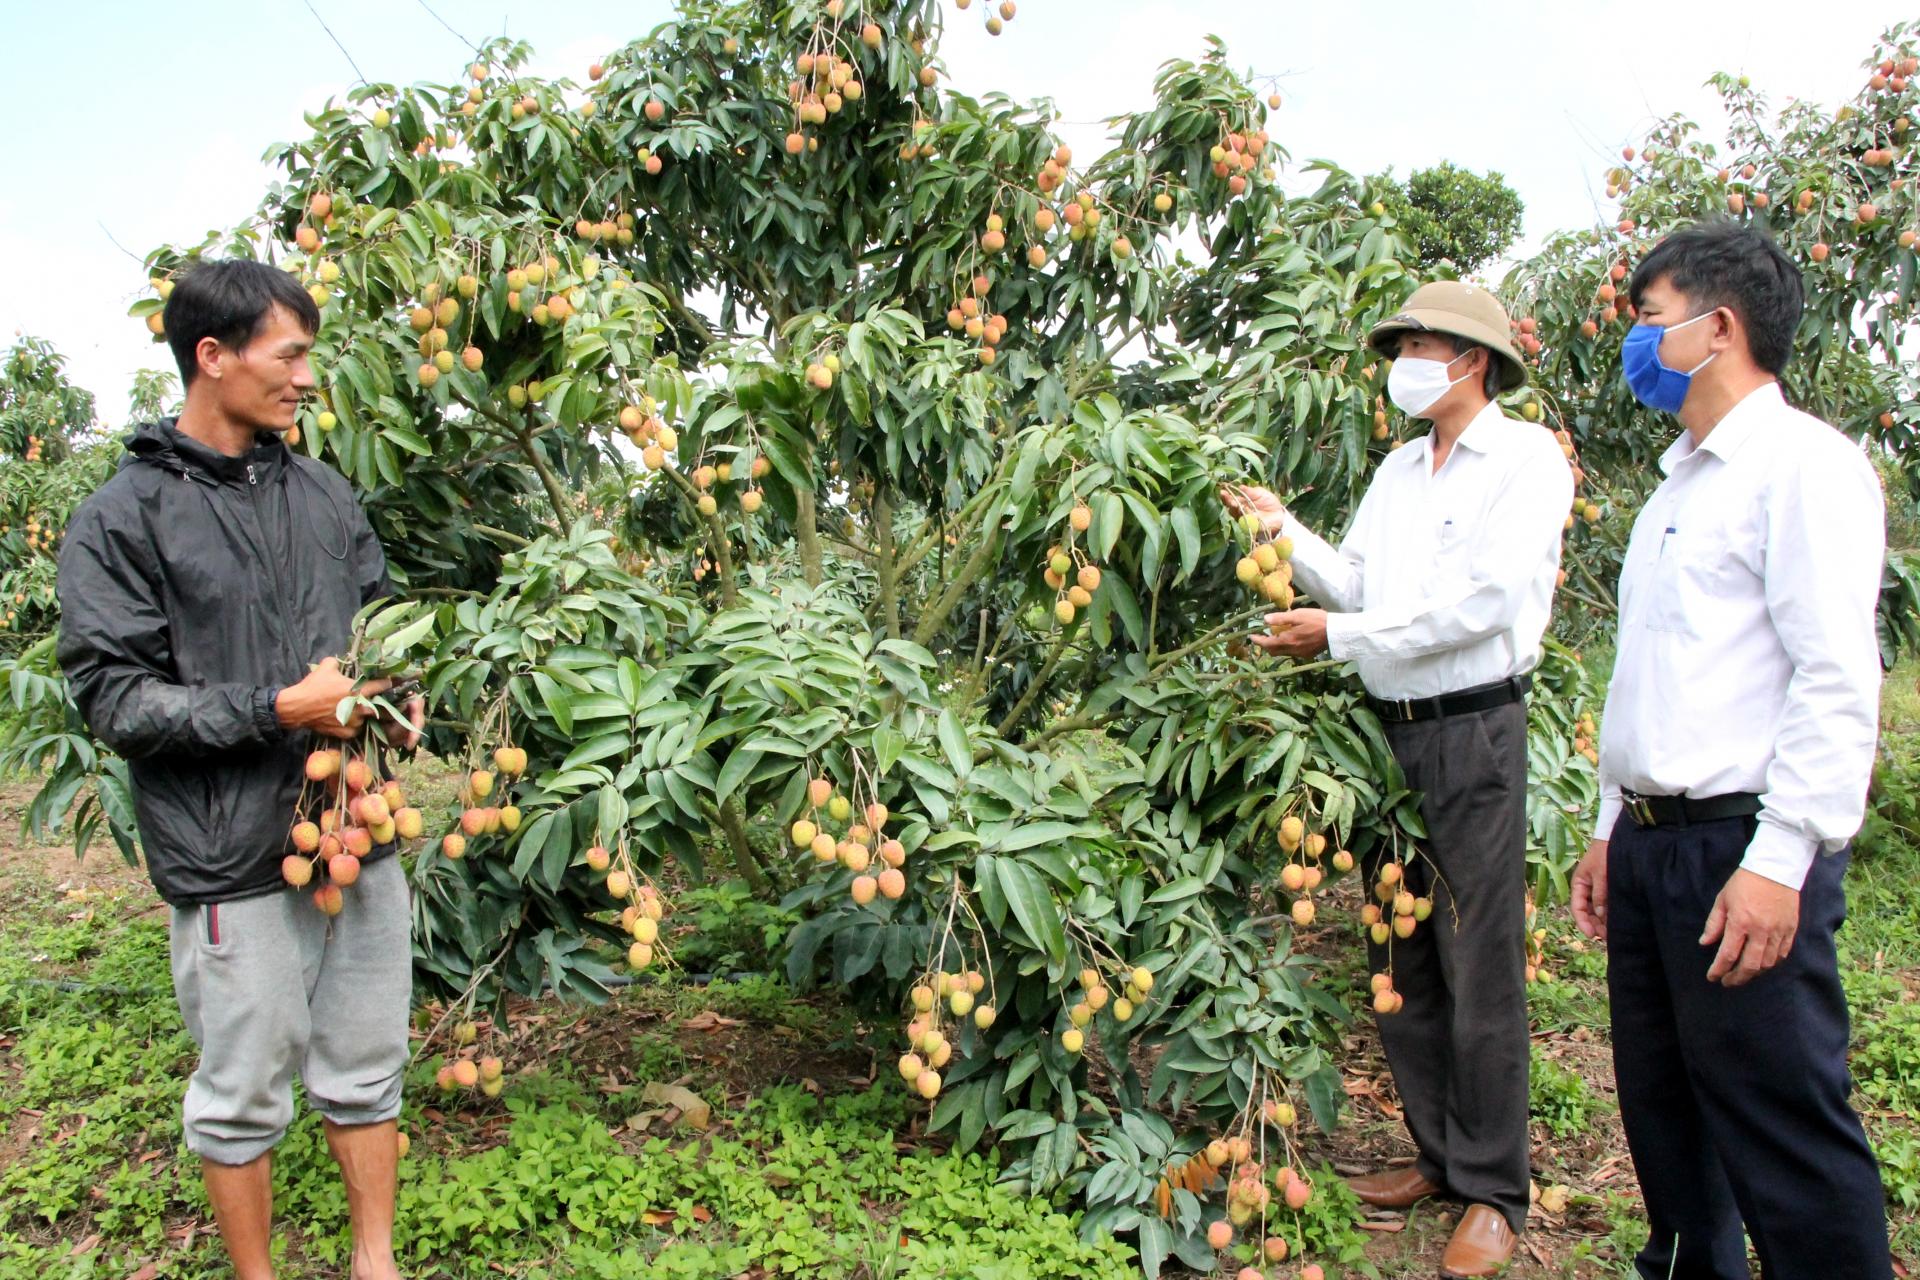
{"points": [[50, 459], [1835, 188], [48, 463], [750, 426]]}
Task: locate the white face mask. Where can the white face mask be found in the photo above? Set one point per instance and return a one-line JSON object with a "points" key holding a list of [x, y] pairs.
{"points": [[1413, 384]]}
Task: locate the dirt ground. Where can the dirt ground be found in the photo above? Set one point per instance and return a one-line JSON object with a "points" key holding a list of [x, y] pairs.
{"points": [[1569, 1235], [1583, 1224]]}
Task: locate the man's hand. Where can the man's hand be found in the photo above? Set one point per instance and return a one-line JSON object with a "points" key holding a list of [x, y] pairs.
{"points": [[314, 703], [1754, 920], [404, 735], [1242, 499], [1590, 892], [1297, 633]]}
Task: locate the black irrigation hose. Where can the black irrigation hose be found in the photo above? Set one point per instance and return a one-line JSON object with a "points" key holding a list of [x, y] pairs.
{"points": [[616, 982]]}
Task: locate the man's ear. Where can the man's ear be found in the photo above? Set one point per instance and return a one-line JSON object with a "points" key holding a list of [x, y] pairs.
{"points": [[1726, 323]]}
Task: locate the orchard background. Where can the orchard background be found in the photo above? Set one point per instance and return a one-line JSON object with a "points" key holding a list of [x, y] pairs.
{"points": [[811, 469]]}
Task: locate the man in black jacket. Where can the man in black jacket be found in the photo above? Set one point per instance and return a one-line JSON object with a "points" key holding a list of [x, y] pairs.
{"points": [[204, 591]]}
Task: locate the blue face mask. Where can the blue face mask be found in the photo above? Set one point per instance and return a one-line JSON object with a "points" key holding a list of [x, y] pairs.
{"points": [[1653, 383]]}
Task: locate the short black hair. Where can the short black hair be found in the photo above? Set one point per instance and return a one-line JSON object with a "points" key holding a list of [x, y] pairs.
{"points": [[1725, 264], [229, 299]]}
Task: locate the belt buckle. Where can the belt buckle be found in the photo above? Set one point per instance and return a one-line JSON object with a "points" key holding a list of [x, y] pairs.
{"points": [[1406, 709], [1641, 809]]}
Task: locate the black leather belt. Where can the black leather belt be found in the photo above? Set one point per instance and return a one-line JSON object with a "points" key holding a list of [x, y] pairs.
{"points": [[1685, 811], [1479, 698]]}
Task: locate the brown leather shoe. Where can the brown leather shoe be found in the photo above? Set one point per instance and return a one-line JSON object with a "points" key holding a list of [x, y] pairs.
{"points": [[1393, 1188], [1481, 1246]]}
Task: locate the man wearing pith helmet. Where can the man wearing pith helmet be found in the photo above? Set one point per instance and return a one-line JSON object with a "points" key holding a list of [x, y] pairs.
{"points": [[1439, 593]]}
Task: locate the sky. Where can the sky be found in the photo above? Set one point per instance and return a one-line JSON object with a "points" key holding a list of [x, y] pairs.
{"points": [[139, 124]]}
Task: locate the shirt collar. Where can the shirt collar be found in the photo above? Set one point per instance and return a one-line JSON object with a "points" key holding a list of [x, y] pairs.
{"points": [[1731, 432], [1483, 435]]}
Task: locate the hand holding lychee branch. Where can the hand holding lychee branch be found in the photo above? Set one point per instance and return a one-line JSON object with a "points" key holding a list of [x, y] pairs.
{"points": [[1243, 500], [1267, 567], [1295, 633], [328, 701]]}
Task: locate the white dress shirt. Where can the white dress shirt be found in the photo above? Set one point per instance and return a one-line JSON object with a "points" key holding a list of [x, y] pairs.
{"points": [[1446, 578], [1747, 659]]}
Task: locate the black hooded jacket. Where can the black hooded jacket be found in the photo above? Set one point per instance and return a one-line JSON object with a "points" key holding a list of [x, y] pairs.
{"points": [[193, 587]]}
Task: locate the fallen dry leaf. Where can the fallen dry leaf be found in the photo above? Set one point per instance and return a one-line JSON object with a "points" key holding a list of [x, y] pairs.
{"points": [[694, 1111], [708, 1020]]}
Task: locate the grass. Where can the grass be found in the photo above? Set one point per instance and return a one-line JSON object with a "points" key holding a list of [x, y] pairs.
{"points": [[807, 1169], [564, 1176]]}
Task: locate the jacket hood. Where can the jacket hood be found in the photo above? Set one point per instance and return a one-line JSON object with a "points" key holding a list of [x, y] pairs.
{"points": [[162, 444]]}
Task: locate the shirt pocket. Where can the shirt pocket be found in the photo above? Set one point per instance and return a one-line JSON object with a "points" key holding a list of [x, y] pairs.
{"points": [[1686, 576], [1452, 552]]}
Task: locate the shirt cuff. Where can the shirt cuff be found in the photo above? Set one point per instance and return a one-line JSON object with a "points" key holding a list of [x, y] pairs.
{"points": [[1610, 806], [1343, 631], [1780, 855]]}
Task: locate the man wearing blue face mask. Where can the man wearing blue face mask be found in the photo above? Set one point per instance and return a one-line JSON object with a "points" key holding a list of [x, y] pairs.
{"points": [[1440, 593], [1735, 751]]}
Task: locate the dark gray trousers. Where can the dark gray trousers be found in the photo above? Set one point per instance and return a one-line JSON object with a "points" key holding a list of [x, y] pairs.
{"points": [[1458, 1046]]}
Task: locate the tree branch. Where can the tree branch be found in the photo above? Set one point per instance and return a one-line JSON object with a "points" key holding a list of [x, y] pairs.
{"points": [[1212, 637], [501, 535], [555, 494], [716, 535], [1070, 724], [977, 564], [806, 532], [524, 436], [1054, 657], [1599, 587], [735, 828], [964, 520], [883, 558], [692, 319]]}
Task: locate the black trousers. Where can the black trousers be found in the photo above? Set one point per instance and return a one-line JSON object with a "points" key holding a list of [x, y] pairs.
{"points": [[1458, 1046], [1735, 1098]]}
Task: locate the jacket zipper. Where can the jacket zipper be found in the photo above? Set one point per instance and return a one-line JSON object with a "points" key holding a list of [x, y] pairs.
{"points": [[273, 570]]}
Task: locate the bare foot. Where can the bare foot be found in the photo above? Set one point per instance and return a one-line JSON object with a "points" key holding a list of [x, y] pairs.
{"points": [[370, 1266]]}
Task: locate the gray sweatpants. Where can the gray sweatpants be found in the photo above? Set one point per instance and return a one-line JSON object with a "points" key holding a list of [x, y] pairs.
{"points": [[269, 984]]}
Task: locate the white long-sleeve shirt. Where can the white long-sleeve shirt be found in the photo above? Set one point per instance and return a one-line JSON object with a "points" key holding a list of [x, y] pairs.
{"points": [[1747, 659], [1445, 579]]}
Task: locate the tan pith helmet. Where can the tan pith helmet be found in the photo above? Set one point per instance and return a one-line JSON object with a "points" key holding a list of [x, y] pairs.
{"points": [[1463, 310]]}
